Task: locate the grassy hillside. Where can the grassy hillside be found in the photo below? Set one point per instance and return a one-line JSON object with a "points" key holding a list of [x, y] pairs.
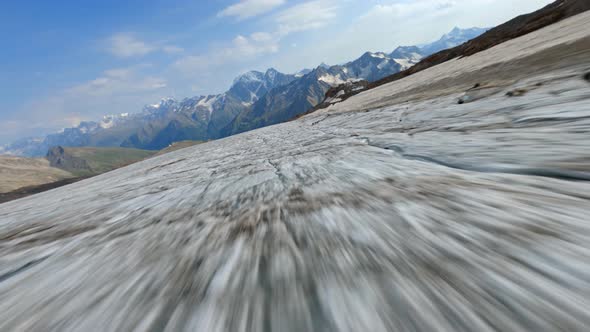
{"points": [[16, 172], [91, 160], [21, 177]]}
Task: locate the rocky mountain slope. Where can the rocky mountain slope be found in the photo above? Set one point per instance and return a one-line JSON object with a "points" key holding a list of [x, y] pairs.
{"points": [[398, 209], [254, 100], [158, 125], [290, 100]]}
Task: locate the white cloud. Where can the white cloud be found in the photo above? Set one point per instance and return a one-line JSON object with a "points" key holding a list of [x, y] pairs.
{"points": [[306, 16], [120, 73], [257, 44], [261, 36], [250, 8], [413, 10], [118, 81], [242, 48], [126, 45]]}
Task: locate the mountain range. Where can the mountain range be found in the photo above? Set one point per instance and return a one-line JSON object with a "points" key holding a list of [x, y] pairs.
{"points": [[255, 99]]}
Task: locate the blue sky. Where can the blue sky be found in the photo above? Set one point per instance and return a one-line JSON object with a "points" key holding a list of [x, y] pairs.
{"points": [[67, 61]]}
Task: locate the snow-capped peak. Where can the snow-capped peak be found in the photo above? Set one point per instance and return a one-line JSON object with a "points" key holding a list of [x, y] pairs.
{"points": [[379, 55], [271, 72], [331, 79], [208, 101], [165, 104], [302, 72], [108, 121], [463, 33], [251, 76], [456, 30]]}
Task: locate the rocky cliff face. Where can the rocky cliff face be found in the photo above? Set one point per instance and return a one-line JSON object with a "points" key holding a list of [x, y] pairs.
{"points": [[59, 158]]}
